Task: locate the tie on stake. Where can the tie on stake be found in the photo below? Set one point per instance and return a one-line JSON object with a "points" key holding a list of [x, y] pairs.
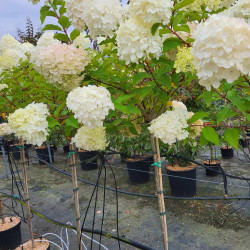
{"points": [[158, 164], [71, 153]]}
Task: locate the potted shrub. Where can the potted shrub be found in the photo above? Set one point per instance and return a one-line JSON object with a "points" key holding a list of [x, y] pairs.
{"points": [[43, 154], [227, 151], [86, 156], [135, 152], [182, 173], [213, 164], [10, 230]]}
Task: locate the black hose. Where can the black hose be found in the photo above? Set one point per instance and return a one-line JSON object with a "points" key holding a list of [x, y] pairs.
{"points": [[144, 195], [87, 230]]}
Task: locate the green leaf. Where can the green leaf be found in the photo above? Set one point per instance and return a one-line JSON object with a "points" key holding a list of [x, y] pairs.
{"points": [[197, 116], [139, 76], [171, 43], [63, 21], [51, 27], [207, 97], [61, 37], [142, 92], [232, 136], [59, 108], [203, 141], [62, 10], [123, 98], [52, 122], [224, 114], [72, 122], [183, 4], [154, 28], [210, 134], [43, 11], [127, 109], [74, 34]]}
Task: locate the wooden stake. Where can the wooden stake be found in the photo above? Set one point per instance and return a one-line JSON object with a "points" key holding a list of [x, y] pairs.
{"points": [[159, 187], [1, 210], [26, 190], [75, 189]]}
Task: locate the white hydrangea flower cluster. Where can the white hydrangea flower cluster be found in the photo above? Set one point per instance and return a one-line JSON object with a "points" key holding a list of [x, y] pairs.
{"points": [[221, 50], [135, 41], [90, 139], [30, 123], [27, 47], [184, 60], [5, 129], [11, 52], [3, 86], [90, 104], [47, 39], [76, 11], [100, 16], [227, 3], [197, 128], [210, 4], [151, 11], [240, 9], [134, 38], [177, 104], [61, 64], [171, 126], [82, 41]]}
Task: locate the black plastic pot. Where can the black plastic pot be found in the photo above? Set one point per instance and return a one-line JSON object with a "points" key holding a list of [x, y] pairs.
{"points": [[48, 248], [212, 169], [43, 154], [227, 153], [11, 238], [66, 148], [138, 170], [243, 143], [16, 152], [182, 187], [84, 156]]}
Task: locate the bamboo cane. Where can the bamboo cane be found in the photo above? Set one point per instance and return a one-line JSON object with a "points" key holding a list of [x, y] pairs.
{"points": [[159, 187], [75, 189], [1, 210], [26, 190]]}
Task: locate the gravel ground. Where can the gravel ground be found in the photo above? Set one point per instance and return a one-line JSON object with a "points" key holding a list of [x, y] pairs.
{"points": [[191, 224]]}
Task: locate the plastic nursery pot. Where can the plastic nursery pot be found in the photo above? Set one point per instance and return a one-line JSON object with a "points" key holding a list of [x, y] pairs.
{"points": [[182, 180], [227, 152], [10, 233], [213, 167], [43, 154], [87, 155], [16, 152], [138, 169], [243, 143], [39, 244], [66, 148]]}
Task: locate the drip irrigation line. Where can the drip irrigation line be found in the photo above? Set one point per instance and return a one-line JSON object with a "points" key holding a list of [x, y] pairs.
{"points": [[150, 172], [145, 195], [219, 172], [87, 230]]}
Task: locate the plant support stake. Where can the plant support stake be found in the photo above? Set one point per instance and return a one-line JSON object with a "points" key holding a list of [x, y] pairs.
{"points": [[75, 190], [159, 187], [1, 210], [26, 190]]}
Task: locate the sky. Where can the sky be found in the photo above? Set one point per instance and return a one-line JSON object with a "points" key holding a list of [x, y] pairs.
{"points": [[13, 14]]}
